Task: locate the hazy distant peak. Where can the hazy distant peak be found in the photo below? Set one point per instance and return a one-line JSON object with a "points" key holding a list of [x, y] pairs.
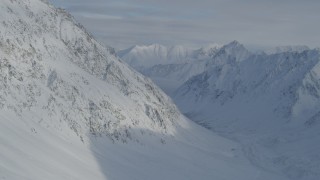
{"points": [[234, 45], [234, 49]]}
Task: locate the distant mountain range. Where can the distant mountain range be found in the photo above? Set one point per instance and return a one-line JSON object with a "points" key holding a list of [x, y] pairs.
{"points": [[168, 66], [141, 57]]}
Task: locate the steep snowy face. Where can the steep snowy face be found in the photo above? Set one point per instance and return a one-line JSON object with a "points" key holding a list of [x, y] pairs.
{"points": [[50, 65]]}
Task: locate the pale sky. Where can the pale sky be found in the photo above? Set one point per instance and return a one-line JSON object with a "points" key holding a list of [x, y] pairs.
{"points": [[255, 23]]}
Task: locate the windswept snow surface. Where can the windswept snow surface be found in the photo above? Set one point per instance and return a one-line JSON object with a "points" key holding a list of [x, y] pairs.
{"points": [[70, 109]]}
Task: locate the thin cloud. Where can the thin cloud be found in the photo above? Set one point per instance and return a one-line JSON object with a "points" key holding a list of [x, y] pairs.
{"points": [[122, 23]]}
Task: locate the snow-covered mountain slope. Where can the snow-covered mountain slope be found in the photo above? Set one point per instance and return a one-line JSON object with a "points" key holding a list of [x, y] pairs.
{"points": [[49, 63], [70, 109], [279, 77], [270, 103]]}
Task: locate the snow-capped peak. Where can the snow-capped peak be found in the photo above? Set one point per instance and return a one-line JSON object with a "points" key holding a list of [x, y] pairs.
{"points": [[236, 50]]}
